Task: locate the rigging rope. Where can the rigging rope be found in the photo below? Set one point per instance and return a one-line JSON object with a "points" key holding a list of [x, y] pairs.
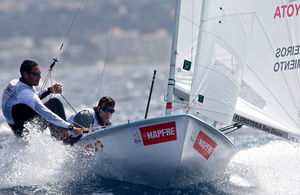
{"points": [[116, 17], [62, 44], [71, 25], [49, 76]]}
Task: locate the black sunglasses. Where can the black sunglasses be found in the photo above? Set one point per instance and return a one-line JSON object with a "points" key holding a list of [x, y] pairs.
{"points": [[36, 73], [105, 109]]}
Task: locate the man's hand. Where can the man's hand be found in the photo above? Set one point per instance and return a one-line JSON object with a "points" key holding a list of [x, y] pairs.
{"points": [[56, 88], [79, 131], [64, 133]]}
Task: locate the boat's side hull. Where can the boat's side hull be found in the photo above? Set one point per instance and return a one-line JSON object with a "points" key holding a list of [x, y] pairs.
{"points": [[154, 151]]}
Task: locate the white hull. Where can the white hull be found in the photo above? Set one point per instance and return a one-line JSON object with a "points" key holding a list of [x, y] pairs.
{"points": [[159, 151]]}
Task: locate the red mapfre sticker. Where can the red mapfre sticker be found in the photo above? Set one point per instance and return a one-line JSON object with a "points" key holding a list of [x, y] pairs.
{"points": [[155, 134], [204, 145]]}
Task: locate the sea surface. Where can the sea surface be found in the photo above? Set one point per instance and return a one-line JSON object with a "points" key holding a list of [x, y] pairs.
{"points": [[39, 165]]}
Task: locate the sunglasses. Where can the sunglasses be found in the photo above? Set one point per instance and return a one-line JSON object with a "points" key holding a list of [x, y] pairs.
{"points": [[105, 109], [37, 73]]}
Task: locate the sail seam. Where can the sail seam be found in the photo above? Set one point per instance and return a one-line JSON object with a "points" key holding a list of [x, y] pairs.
{"points": [[230, 15], [221, 113], [213, 70], [182, 16], [224, 42]]}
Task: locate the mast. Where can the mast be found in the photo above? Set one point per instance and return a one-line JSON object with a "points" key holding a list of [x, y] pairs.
{"points": [[171, 80]]}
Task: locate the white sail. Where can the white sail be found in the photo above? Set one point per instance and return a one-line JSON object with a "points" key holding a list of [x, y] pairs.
{"points": [[272, 64], [257, 41]]}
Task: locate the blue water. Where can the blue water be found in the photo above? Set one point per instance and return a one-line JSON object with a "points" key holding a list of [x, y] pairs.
{"points": [[264, 165]]}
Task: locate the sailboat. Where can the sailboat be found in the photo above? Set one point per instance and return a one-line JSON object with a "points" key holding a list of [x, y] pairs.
{"points": [[218, 48]]}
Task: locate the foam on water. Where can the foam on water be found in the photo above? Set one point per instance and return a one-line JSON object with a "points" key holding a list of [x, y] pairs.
{"points": [[41, 162], [272, 168], [36, 160]]}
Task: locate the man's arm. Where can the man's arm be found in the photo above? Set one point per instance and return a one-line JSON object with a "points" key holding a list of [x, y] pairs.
{"points": [[30, 98], [44, 93], [55, 89]]}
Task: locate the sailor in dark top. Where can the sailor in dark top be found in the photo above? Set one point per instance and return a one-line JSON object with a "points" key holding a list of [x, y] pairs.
{"points": [[21, 102], [96, 117]]}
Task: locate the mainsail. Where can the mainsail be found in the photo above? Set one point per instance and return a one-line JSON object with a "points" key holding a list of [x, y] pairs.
{"points": [[253, 44], [273, 62]]}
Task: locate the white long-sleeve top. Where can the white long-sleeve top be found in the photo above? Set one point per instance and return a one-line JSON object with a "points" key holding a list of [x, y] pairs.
{"points": [[18, 92]]}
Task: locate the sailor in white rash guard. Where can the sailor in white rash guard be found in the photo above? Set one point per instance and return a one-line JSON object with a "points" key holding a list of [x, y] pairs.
{"points": [[21, 102], [96, 117]]}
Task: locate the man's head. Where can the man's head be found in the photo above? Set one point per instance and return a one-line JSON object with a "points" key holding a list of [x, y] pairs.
{"points": [[30, 72], [105, 108]]}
